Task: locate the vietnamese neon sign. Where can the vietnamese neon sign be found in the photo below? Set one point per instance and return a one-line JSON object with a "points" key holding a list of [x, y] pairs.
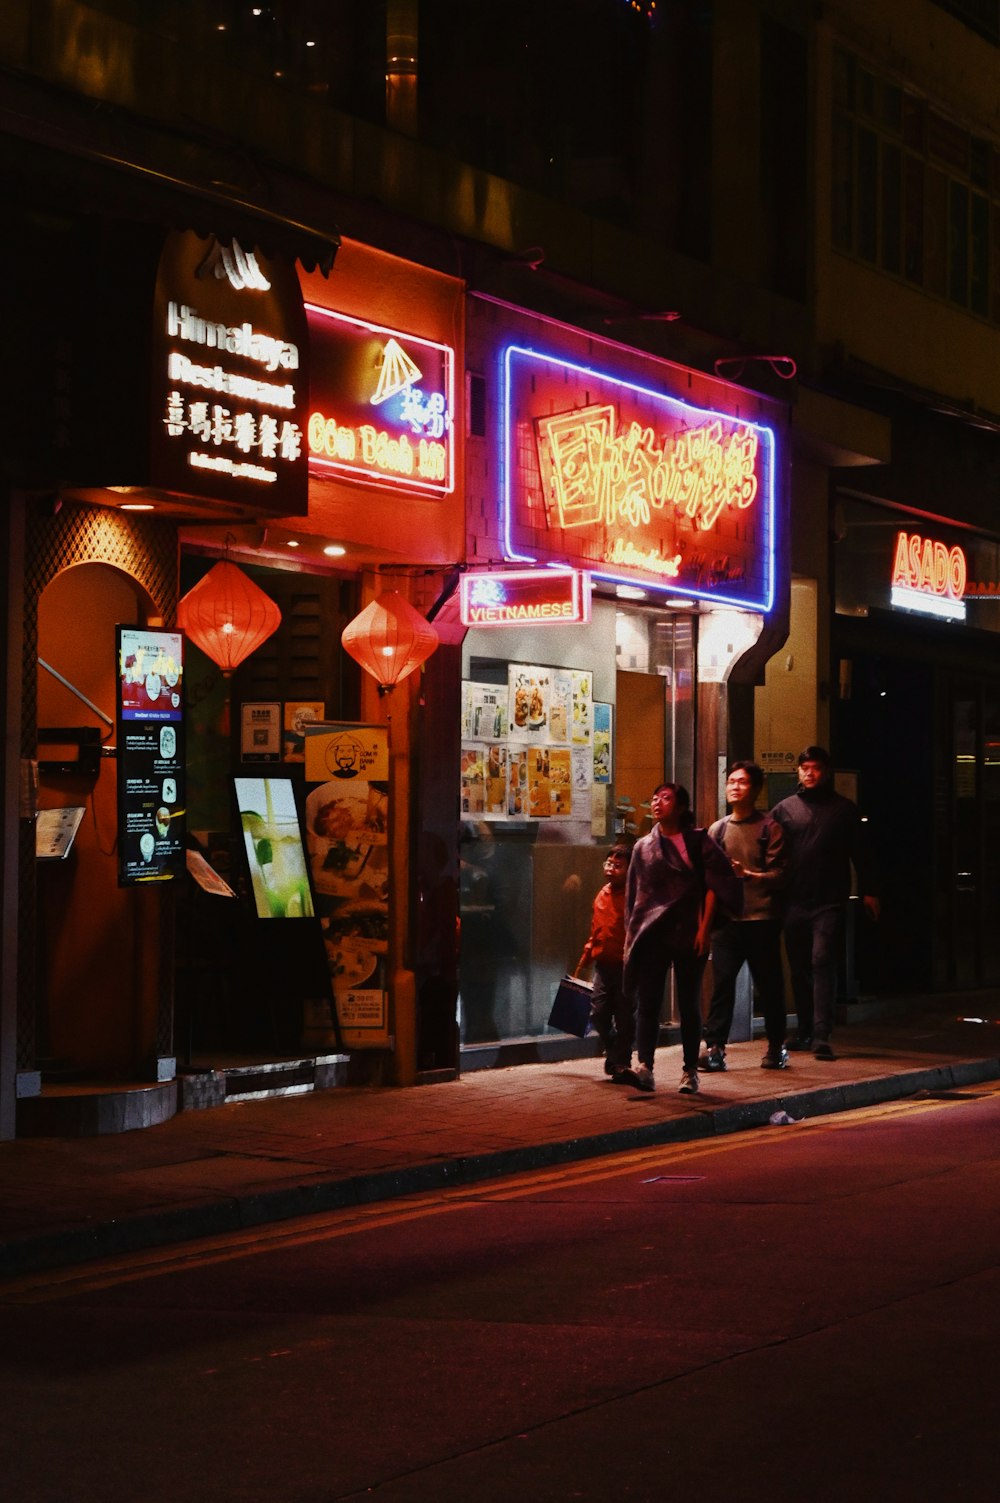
{"points": [[928, 576], [633, 484], [381, 404], [519, 597]]}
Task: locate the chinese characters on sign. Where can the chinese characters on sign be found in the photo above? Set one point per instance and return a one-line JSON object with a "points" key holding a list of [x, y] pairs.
{"points": [[635, 485], [510, 597], [229, 387], [380, 404]]}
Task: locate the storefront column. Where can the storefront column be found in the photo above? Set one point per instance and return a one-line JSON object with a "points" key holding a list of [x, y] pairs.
{"points": [[396, 709], [10, 774]]}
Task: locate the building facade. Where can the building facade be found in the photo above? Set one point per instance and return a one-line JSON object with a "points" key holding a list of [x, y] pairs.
{"points": [[778, 216]]}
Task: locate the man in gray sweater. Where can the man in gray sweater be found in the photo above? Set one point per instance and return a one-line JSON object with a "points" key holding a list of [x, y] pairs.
{"points": [[825, 837], [755, 844]]}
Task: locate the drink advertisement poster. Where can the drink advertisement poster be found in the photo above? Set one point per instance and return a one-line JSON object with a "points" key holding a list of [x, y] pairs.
{"points": [[150, 736], [269, 819], [347, 840]]}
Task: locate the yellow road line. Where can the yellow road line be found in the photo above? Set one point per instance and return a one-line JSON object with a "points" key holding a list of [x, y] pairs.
{"points": [[330, 1225]]}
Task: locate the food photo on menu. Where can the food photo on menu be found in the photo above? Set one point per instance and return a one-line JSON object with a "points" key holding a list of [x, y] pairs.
{"points": [[150, 672], [347, 836], [529, 690]]}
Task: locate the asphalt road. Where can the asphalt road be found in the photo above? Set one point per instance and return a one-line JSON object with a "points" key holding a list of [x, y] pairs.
{"points": [[808, 1313]]}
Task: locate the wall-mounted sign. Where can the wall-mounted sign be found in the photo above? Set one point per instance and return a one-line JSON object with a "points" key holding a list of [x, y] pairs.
{"points": [[381, 405], [516, 597], [229, 384], [150, 726], [928, 576], [634, 485]]}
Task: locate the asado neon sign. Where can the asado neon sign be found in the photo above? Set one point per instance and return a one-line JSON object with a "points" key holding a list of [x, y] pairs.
{"points": [[928, 576], [516, 597], [633, 484], [380, 404]]}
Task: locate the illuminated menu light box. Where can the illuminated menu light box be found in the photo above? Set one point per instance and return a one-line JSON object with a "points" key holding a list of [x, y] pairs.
{"points": [[381, 404], [515, 597], [633, 485]]}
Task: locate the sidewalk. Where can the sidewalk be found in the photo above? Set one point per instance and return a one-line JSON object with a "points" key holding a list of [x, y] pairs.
{"points": [[65, 1201]]}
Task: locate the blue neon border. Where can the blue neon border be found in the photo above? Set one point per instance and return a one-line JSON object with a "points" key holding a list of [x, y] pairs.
{"points": [[768, 441]]}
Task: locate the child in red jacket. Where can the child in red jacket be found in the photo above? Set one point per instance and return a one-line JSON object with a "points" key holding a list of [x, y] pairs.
{"points": [[611, 1015]]}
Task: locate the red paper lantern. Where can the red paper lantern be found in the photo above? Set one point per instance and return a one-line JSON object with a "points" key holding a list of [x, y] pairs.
{"points": [[389, 639], [227, 615]]}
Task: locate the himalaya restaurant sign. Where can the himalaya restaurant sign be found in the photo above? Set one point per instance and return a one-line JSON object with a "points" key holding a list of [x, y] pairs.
{"points": [[229, 397], [381, 405], [633, 485]]}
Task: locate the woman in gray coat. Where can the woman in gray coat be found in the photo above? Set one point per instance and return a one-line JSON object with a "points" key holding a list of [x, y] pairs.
{"points": [[677, 875]]}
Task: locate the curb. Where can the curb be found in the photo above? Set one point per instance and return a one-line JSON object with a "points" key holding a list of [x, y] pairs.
{"points": [[44, 1251]]}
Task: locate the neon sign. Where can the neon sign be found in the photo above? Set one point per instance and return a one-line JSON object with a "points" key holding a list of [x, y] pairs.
{"points": [[515, 597], [381, 404], [634, 485], [928, 576]]}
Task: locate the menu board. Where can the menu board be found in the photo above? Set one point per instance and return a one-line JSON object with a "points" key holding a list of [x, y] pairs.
{"points": [[528, 745], [150, 726]]}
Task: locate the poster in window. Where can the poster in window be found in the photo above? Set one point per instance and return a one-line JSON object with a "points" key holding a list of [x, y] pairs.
{"points": [[560, 782], [530, 690], [602, 743], [539, 783], [517, 783], [583, 709], [484, 711], [473, 780]]}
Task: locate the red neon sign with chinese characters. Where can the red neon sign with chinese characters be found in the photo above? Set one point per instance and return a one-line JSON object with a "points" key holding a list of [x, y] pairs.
{"points": [[514, 597], [635, 485], [380, 404], [928, 576]]}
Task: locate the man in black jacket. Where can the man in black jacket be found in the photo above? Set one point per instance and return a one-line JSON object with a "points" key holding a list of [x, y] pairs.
{"points": [[825, 837]]}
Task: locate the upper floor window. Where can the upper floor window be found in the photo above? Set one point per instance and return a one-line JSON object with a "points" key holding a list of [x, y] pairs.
{"points": [[913, 193]]}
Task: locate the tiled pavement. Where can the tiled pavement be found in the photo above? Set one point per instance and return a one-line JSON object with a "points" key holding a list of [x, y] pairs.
{"points": [[67, 1200]]}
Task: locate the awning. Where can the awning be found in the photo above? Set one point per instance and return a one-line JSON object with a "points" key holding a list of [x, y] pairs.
{"points": [[65, 153]]}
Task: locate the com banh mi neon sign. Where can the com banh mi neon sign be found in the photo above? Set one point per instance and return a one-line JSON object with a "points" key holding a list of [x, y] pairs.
{"points": [[634, 485], [380, 404], [928, 576]]}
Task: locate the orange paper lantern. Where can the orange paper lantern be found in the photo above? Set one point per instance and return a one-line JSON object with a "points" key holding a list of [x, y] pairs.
{"points": [[227, 615], [389, 639]]}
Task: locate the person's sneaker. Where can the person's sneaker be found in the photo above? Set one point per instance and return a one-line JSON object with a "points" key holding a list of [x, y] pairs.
{"points": [[609, 1067], [689, 1082], [622, 1076], [823, 1050], [714, 1058], [642, 1077], [800, 1044], [776, 1058]]}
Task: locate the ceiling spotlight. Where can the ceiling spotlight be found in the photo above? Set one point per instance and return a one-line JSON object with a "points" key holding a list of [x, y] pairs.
{"points": [[334, 550]]}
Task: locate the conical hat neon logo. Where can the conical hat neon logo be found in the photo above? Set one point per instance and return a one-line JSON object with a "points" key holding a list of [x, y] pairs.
{"points": [[397, 373]]}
